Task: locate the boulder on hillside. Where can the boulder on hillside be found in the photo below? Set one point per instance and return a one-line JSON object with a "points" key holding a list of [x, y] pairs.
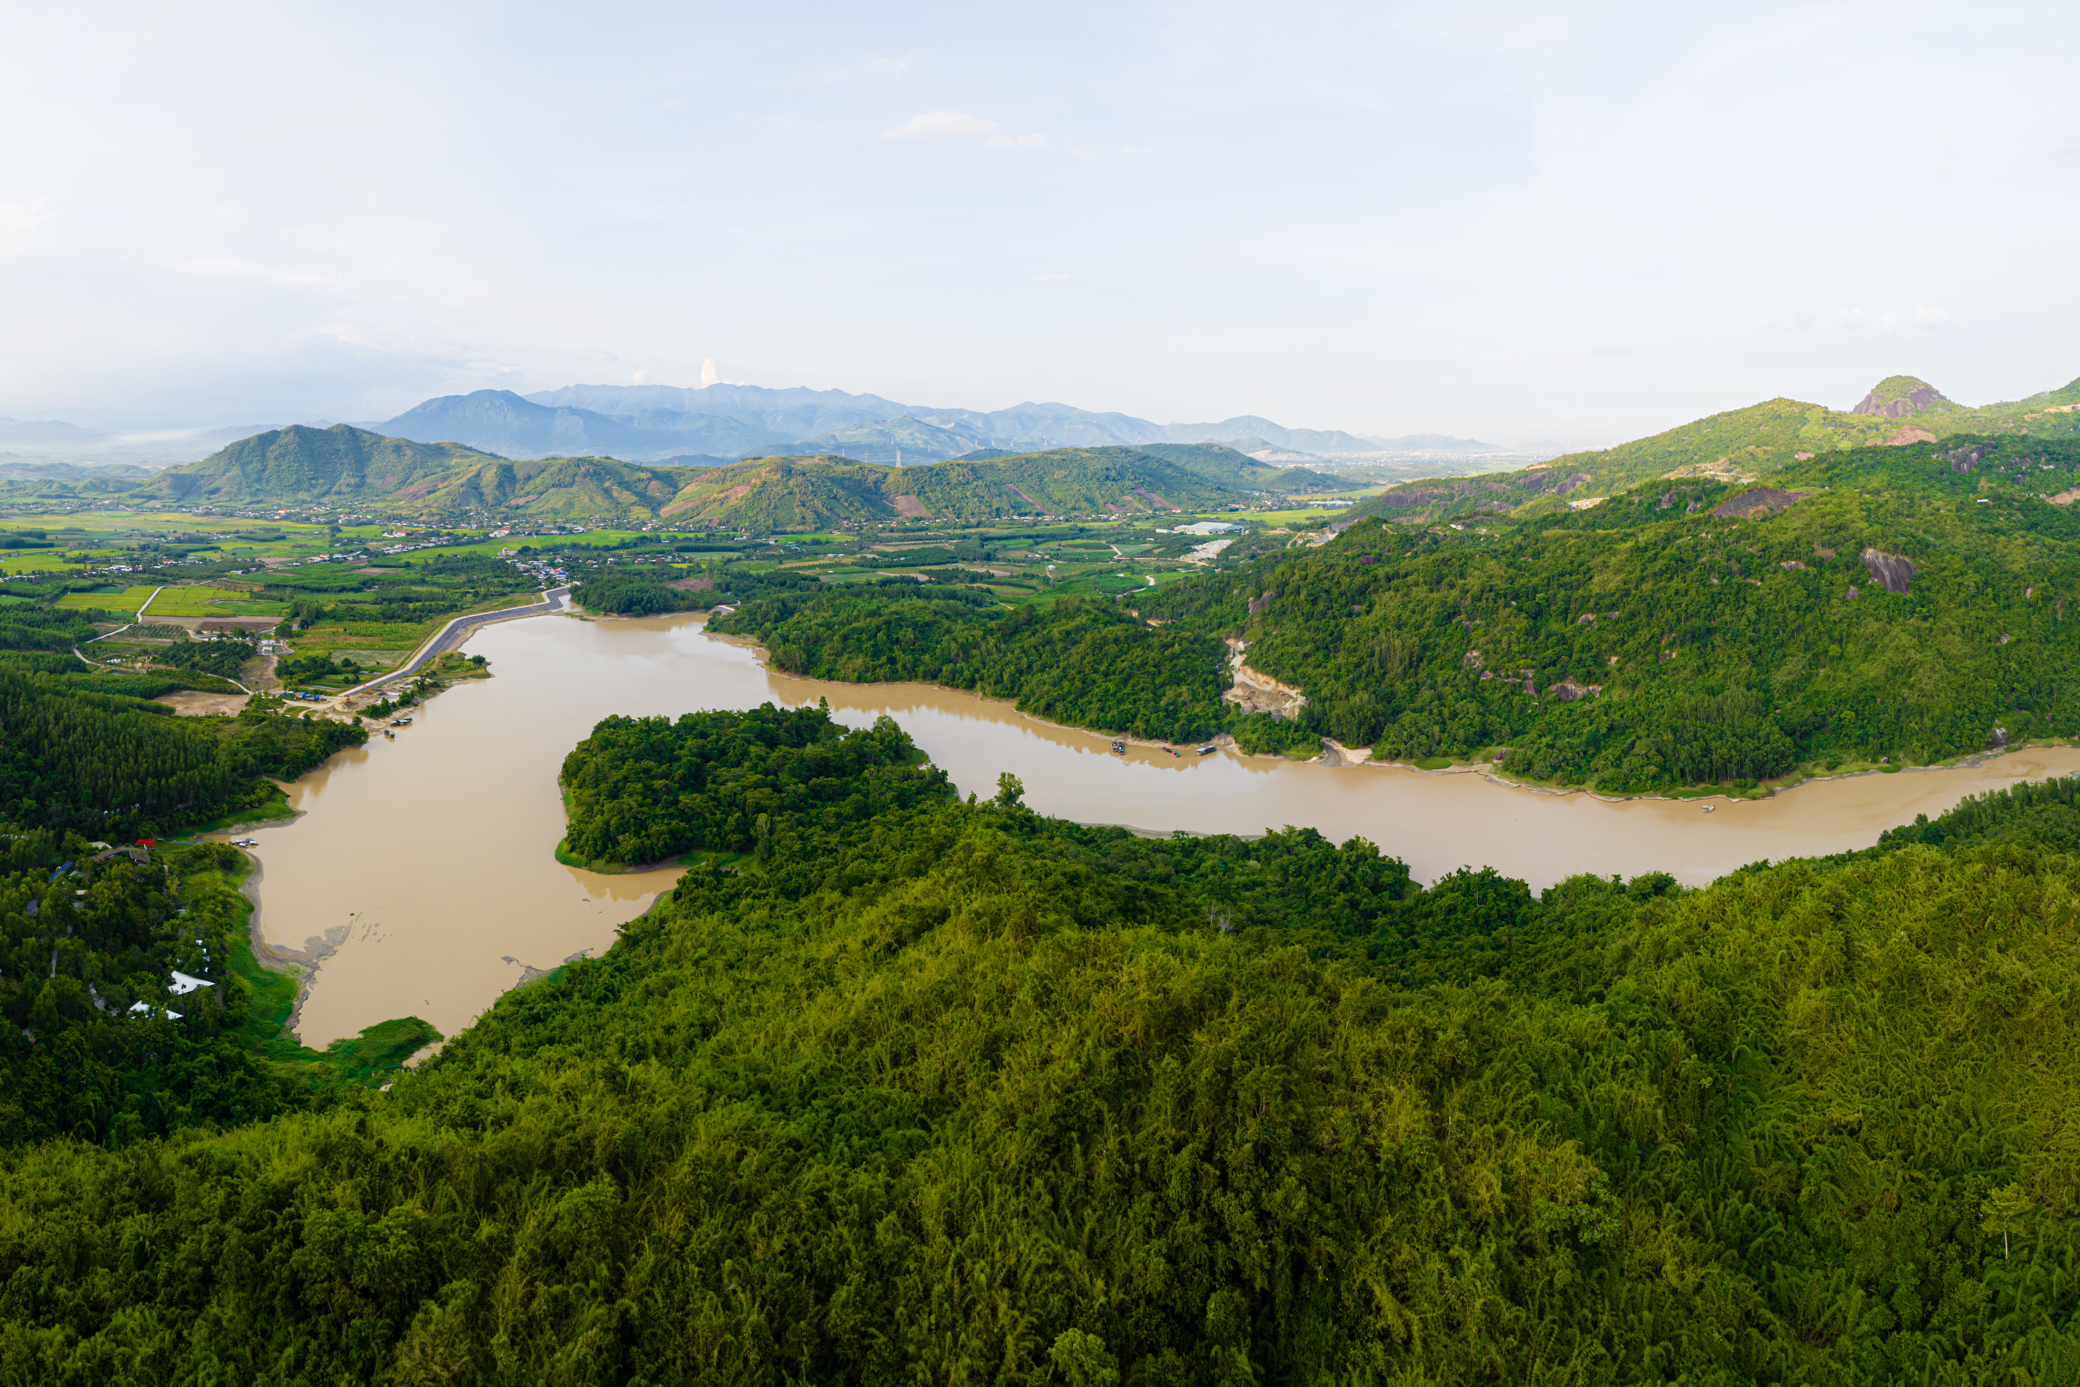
{"points": [[1889, 571], [1753, 505]]}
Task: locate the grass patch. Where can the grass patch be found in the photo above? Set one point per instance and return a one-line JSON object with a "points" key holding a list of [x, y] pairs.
{"points": [[274, 808], [201, 600], [1434, 763], [381, 1049], [128, 600]]}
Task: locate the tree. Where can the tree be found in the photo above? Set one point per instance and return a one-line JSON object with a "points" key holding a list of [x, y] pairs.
{"points": [[2006, 1211]]}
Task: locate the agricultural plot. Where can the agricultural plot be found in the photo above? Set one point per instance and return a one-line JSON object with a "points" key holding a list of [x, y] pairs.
{"points": [[128, 600], [199, 600]]}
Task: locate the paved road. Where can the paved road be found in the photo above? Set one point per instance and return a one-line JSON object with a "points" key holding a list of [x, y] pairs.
{"points": [[457, 631]]}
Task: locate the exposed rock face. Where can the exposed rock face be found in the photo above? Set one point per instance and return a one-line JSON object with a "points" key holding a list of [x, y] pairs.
{"points": [[1567, 691], [1792, 566], [1964, 459], [1910, 433], [1258, 604], [1753, 505], [1254, 692], [1922, 398], [1889, 571]]}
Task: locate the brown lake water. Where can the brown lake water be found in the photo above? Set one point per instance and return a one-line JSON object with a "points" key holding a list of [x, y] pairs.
{"points": [[431, 858]]}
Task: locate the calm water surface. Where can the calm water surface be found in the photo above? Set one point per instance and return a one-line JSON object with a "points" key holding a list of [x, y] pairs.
{"points": [[432, 854]]}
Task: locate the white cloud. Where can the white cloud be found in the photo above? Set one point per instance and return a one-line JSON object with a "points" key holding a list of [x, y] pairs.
{"points": [[961, 125], [1049, 279], [710, 372], [642, 378], [1924, 316], [928, 123]]}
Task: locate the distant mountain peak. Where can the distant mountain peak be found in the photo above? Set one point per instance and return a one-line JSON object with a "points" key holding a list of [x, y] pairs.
{"points": [[1903, 397]]}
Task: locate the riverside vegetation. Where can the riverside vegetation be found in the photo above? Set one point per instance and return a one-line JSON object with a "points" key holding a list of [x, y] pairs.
{"points": [[96, 1047], [1907, 603], [929, 1090]]}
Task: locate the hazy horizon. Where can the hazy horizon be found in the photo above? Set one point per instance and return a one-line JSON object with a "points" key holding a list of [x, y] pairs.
{"points": [[1496, 222]]}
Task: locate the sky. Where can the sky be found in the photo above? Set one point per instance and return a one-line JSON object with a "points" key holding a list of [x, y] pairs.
{"points": [[1525, 223]]}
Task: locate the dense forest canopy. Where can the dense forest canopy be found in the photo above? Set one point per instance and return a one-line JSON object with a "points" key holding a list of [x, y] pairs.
{"points": [[645, 789], [113, 766], [1078, 662], [1692, 631], [131, 1005], [87, 751], [953, 1092]]}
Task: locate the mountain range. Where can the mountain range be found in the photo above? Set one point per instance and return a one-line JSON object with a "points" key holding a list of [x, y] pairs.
{"points": [[349, 468], [716, 423]]}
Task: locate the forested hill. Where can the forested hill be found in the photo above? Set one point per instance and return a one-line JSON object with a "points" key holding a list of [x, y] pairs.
{"points": [[309, 465], [799, 493], [903, 1089], [1912, 602], [1753, 441]]}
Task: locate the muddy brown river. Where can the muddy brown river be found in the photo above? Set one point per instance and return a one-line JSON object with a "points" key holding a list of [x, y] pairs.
{"points": [[428, 860]]}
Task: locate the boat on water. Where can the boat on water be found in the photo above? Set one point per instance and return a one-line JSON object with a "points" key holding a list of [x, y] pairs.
{"points": [[1119, 747], [1207, 750]]}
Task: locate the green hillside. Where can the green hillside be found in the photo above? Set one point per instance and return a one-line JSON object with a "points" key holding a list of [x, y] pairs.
{"points": [[312, 466], [775, 494], [1743, 443], [1061, 481], [1692, 631], [551, 489], [1906, 397], [770, 494], [898, 1088]]}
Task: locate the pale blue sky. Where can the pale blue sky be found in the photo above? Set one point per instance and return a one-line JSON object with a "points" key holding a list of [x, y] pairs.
{"points": [[1517, 222]]}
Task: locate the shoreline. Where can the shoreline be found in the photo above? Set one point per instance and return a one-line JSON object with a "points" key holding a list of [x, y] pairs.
{"points": [[301, 964], [1356, 758]]}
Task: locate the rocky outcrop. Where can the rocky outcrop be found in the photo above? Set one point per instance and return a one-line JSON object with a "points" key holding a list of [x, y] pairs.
{"points": [[1256, 692], [1920, 398], [1911, 433], [1889, 571], [1753, 505], [1567, 691]]}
